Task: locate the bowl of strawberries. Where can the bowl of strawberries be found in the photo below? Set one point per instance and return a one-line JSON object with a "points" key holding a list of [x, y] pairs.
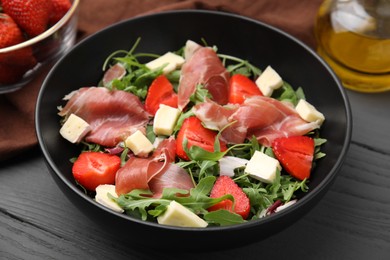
{"points": [[33, 33]]}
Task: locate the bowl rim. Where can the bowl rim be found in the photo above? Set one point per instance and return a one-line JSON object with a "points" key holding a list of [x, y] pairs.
{"points": [[46, 33], [296, 207]]}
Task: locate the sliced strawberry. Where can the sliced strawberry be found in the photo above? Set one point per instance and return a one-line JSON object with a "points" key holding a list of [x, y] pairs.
{"points": [[225, 185], [196, 135], [295, 153], [94, 168], [31, 15], [160, 92], [60, 7], [241, 87]]}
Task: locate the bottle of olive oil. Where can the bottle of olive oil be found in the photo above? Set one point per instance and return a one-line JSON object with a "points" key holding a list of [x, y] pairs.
{"points": [[353, 37]]}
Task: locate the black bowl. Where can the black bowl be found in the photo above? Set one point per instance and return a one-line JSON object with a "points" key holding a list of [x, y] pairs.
{"points": [[232, 34]]}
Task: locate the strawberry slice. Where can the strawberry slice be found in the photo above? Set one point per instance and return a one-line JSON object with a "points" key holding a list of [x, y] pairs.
{"points": [[94, 168], [225, 185], [160, 92], [295, 153], [241, 87], [196, 135]]}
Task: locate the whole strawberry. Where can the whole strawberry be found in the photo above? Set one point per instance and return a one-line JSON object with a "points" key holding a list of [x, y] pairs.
{"points": [[13, 64], [32, 16], [10, 33], [60, 7]]}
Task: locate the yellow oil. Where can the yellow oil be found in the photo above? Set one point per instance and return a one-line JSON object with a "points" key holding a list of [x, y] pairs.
{"points": [[358, 54]]}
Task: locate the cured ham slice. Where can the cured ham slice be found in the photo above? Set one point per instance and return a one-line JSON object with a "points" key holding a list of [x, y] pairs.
{"points": [[173, 177], [217, 117], [278, 119], [117, 71], [203, 67], [263, 117], [154, 173], [112, 115]]}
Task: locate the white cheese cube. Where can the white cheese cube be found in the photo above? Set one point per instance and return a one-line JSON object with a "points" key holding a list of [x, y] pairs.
{"points": [[165, 120], [101, 197], [309, 113], [139, 144], [190, 48], [268, 81], [74, 129], [262, 167], [170, 60], [178, 215]]}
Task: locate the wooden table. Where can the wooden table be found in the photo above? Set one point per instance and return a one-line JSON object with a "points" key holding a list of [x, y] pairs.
{"points": [[352, 221]]}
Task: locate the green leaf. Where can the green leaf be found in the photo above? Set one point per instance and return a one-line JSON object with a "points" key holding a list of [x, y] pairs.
{"points": [[319, 141], [200, 95], [138, 200], [197, 153], [223, 218], [239, 66], [150, 134], [182, 117]]}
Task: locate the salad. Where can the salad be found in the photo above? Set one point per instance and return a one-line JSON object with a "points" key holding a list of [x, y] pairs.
{"points": [[192, 138]]}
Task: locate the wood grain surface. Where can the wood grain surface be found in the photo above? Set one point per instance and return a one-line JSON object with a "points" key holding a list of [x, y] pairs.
{"points": [[352, 221]]}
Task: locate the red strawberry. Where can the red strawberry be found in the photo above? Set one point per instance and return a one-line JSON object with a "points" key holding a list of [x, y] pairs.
{"points": [[94, 168], [10, 33], [225, 185], [31, 15], [295, 153], [13, 64], [60, 7]]}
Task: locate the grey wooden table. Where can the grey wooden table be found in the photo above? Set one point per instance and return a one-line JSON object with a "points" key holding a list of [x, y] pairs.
{"points": [[352, 221]]}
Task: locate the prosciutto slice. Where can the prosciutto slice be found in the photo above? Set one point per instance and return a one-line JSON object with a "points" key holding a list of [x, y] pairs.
{"points": [[113, 115], [263, 117], [154, 173], [173, 177], [203, 67], [117, 71]]}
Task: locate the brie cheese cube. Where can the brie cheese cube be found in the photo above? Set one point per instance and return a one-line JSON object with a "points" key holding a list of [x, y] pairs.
{"points": [[268, 81], [165, 120], [178, 215], [309, 113], [170, 60], [190, 49], [101, 197], [74, 129], [139, 144], [262, 167]]}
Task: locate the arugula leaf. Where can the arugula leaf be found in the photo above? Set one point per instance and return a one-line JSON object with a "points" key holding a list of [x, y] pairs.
{"points": [[197, 199], [223, 217], [138, 200], [240, 66], [182, 117], [150, 134], [200, 95]]}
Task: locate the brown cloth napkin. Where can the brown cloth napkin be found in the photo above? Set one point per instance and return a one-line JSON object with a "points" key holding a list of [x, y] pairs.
{"points": [[17, 130]]}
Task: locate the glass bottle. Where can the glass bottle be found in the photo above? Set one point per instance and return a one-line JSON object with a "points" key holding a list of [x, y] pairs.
{"points": [[353, 37]]}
